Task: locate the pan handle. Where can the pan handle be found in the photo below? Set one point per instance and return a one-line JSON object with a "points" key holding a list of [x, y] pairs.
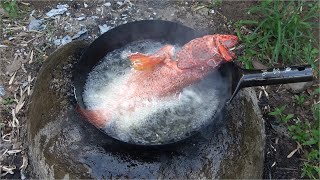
{"points": [[284, 75]]}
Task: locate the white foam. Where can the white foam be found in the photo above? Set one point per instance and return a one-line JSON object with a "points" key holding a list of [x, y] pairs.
{"points": [[154, 120]]}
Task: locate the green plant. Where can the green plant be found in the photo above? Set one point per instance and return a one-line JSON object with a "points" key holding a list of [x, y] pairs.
{"points": [[316, 92], [278, 113], [10, 7], [311, 168], [310, 53], [8, 101], [283, 35], [316, 112], [303, 132], [299, 99], [306, 133], [216, 3]]}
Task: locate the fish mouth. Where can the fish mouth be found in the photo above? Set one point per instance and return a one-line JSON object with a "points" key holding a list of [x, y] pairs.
{"points": [[229, 41]]}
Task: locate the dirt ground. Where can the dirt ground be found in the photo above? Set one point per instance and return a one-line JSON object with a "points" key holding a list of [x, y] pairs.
{"points": [[22, 53], [279, 144]]}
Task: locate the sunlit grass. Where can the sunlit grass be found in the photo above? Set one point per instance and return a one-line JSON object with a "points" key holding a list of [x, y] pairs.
{"points": [[283, 35]]}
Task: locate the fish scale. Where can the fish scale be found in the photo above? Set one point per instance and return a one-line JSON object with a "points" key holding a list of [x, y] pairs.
{"points": [[196, 52]]}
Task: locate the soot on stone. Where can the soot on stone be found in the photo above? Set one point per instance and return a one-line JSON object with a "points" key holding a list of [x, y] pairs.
{"points": [[64, 145]]}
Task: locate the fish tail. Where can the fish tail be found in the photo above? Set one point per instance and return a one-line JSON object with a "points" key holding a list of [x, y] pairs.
{"points": [[98, 118], [143, 62]]}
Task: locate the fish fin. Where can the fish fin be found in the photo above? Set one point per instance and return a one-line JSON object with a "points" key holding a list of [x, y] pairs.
{"points": [[167, 50], [225, 53], [144, 62], [173, 65]]}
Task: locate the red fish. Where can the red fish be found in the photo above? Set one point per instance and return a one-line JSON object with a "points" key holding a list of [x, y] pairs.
{"points": [[163, 74]]}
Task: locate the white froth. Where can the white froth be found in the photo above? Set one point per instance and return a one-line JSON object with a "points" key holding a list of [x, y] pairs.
{"points": [[157, 120]]}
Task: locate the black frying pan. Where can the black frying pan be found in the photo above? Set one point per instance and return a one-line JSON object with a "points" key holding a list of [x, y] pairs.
{"points": [[173, 33]]}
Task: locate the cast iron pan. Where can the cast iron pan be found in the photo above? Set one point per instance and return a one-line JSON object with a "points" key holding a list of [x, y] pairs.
{"points": [[174, 33]]}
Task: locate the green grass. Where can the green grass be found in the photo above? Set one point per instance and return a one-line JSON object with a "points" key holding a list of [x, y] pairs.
{"points": [[282, 36], [306, 132], [8, 101], [279, 114], [299, 99], [311, 167], [215, 3], [10, 7]]}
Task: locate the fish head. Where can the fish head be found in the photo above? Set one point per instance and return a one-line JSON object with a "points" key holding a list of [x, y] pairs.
{"points": [[223, 45], [228, 41], [209, 50]]}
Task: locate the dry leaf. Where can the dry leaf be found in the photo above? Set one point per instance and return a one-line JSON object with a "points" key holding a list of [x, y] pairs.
{"points": [[31, 57], [6, 137], [45, 57], [258, 65], [260, 95], [14, 66], [22, 34], [15, 28], [25, 3], [29, 78], [265, 92], [12, 78], [292, 153], [24, 162], [20, 104], [7, 169], [22, 91], [7, 42], [23, 68], [29, 90], [198, 8], [3, 46], [15, 122], [15, 151]]}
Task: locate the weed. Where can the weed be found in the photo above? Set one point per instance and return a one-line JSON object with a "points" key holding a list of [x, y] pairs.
{"points": [[316, 92], [311, 168], [306, 133], [303, 133], [216, 3], [316, 112], [8, 101], [283, 35], [10, 7], [278, 113], [299, 99]]}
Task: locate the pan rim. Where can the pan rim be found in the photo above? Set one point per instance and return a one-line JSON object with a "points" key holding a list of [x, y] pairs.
{"points": [[79, 99]]}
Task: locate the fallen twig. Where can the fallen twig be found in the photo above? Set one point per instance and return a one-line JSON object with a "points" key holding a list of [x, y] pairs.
{"points": [[7, 169]]}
